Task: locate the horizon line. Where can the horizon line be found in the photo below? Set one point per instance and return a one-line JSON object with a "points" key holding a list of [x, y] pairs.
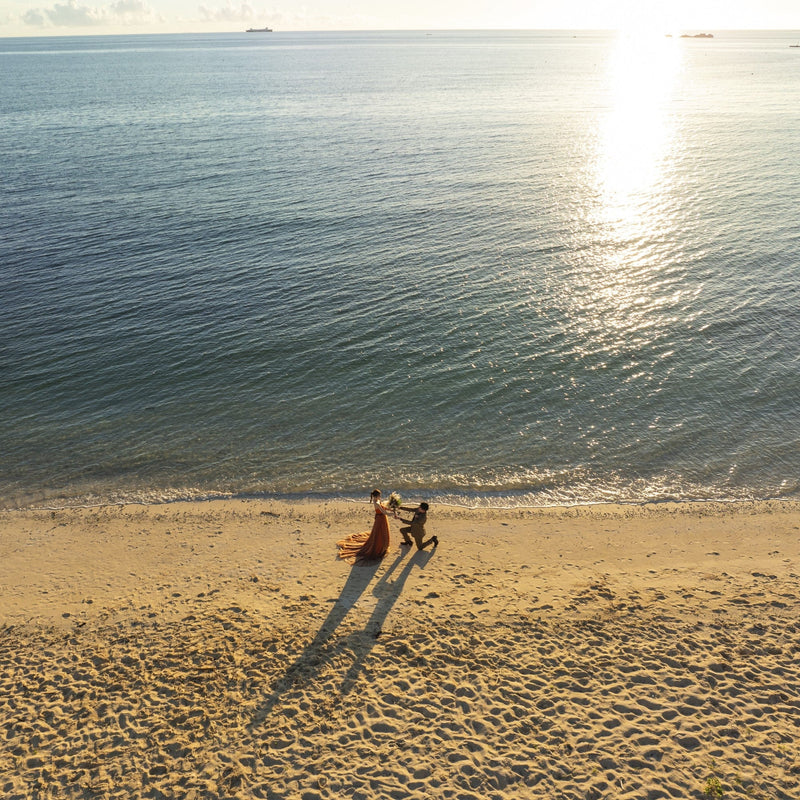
{"points": [[53, 34]]}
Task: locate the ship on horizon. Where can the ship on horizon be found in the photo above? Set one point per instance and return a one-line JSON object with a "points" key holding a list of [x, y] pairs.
{"points": [[259, 30]]}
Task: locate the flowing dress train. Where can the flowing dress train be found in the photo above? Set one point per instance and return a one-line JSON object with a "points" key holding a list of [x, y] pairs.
{"points": [[368, 545]]}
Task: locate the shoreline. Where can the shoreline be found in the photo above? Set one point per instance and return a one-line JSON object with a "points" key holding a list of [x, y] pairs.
{"points": [[219, 649], [312, 498]]}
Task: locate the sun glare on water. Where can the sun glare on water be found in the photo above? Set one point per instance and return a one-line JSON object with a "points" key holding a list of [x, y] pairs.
{"points": [[636, 131], [630, 176]]}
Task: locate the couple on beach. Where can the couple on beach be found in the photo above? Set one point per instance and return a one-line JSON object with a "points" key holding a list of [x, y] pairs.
{"points": [[374, 544]]}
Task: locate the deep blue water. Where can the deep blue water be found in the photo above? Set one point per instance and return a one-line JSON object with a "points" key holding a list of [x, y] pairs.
{"points": [[507, 268]]}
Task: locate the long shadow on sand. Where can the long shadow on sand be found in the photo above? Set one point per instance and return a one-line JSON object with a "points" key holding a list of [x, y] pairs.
{"points": [[357, 645], [388, 589]]}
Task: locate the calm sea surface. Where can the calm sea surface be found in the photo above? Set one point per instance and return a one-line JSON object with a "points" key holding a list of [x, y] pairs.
{"points": [[485, 268]]}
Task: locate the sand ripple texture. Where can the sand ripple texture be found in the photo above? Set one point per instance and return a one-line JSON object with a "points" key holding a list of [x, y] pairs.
{"points": [[632, 701]]}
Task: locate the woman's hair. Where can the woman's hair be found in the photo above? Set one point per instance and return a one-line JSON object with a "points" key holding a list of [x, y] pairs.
{"points": [[376, 493]]}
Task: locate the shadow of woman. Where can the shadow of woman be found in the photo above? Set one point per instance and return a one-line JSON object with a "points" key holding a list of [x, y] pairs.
{"points": [[357, 581], [320, 650], [313, 654], [388, 591]]}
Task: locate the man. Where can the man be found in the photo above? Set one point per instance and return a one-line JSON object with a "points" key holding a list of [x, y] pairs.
{"points": [[416, 527]]}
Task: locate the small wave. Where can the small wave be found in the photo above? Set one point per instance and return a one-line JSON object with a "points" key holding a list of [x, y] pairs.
{"points": [[453, 498]]}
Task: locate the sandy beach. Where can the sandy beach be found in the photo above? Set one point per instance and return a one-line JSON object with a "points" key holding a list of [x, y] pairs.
{"points": [[220, 649]]}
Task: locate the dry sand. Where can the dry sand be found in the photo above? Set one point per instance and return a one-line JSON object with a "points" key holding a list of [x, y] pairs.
{"points": [[213, 650]]}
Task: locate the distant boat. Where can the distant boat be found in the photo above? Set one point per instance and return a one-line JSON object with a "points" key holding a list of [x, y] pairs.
{"points": [[259, 30], [697, 36]]}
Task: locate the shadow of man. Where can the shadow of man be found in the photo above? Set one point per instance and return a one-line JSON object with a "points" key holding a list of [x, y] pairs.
{"points": [[313, 654], [320, 650], [357, 581], [388, 591]]}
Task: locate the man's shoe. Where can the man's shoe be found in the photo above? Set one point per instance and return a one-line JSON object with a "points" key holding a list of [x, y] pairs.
{"points": [[435, 541]]}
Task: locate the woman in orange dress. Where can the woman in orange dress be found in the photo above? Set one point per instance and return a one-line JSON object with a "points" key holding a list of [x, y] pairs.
{"points": [[368, 545]]}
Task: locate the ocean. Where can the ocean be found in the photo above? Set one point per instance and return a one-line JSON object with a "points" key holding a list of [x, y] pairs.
{"points": [[483, 268]]}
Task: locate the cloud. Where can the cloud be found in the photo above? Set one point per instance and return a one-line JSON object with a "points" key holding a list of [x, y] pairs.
{"points": [[244, 12], [34, 17], [72, 15], [135, 9]]}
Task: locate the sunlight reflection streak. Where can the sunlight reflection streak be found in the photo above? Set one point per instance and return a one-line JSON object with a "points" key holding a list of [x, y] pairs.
{"points": [[636, 133], [626, 292]]}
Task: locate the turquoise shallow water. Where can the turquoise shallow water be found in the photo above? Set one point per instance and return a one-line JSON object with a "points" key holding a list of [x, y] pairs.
{"points": [[489, 268]]}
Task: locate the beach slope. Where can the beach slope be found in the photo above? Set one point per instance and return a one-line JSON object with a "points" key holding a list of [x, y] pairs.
{"points": [[209, 650]]}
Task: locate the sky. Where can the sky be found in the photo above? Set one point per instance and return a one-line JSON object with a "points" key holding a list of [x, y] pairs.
{"points": [[73, 17]]}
